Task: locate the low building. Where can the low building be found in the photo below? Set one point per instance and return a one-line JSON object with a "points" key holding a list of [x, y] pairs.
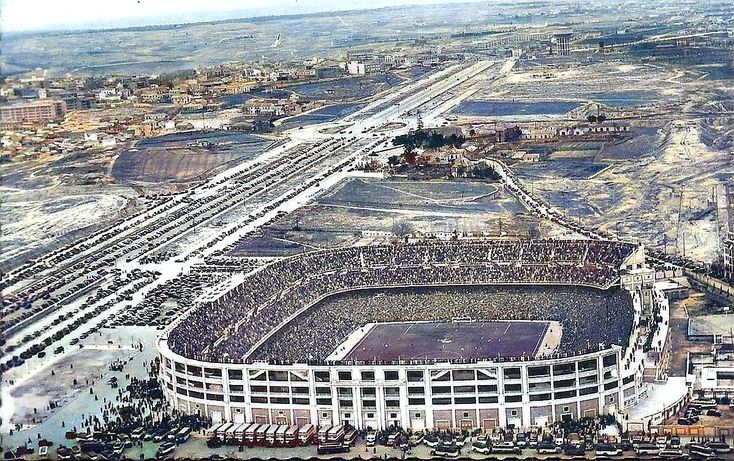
{"points": [[714, 371], [150, 95], [328, 72], [108, 94], [273, 107], [181, 99]]}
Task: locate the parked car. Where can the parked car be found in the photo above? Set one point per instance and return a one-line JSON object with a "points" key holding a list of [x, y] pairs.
{"points": [[482, 446], [607, 449], [548, 448]]}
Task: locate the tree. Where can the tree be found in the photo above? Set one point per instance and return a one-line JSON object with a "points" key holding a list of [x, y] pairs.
{"points": [[402, 228], [512, 134], [428, 139], [591, 118], [393, 160]]}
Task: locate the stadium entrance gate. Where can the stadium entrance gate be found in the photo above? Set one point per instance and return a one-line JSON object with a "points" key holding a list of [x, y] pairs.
{"points": [[489, 424], [417, 424], [443, 425], [239, 418], [216, 417]]}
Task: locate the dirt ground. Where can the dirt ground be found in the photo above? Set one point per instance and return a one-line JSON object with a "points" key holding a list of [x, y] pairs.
{"points": [[680, 345]]}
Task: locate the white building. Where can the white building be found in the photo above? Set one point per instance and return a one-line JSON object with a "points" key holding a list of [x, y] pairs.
{"points": [[356, 68], [108, 94]]}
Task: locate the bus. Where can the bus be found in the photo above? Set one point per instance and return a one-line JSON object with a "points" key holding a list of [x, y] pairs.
{"points": [[330, 448], [335, 434], [290, 438], [260, 433], [701, 452], [270, 434], [183, 435], [647, 449], [306, 434], [350, 437], [704, 404], [222, 430], [321, 435], [250, 434], [229, 433], [280, 435], [239, 434], [212, 431]]}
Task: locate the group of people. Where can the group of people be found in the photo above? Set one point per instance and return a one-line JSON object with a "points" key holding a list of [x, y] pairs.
{"points": [[231, 328], [588, 316]]}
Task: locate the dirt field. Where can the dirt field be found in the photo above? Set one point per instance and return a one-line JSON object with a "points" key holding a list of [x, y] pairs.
{"points": [[647, 196], [181, 157], [359, 206]]}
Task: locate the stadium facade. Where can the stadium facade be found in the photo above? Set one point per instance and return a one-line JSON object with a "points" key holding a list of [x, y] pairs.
{"points": [[465, 393]]}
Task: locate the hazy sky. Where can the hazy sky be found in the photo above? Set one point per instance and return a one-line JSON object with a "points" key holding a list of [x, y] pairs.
{"points": [[31, 15]]}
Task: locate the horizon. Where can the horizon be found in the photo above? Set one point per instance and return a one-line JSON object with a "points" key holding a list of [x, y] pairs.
{"points": [[19, 17]]}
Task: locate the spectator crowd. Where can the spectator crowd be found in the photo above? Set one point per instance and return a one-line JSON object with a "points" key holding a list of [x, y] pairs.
{"points": [[234, 326], [588, 316]]}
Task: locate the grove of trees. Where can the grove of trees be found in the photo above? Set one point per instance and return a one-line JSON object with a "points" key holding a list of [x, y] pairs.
{"points": [[427, 140]]}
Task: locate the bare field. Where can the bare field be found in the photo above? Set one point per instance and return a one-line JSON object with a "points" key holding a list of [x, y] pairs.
{"points": [[185, 156], [647, 195], [352, 211], [163, 165], [611, 83], [37, 221]]}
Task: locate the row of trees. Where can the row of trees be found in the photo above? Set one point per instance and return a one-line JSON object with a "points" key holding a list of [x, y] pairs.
{"points": [[428, 139]]}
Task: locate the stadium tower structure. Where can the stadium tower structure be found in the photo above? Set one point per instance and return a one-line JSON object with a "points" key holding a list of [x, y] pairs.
{"points": [[468, 392]]}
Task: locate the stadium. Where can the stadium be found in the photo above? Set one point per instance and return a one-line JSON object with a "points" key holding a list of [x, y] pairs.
{"points": [[474, 334]]}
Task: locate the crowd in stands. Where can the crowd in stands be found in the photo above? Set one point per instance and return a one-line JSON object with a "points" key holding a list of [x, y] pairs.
{"points": [[230, 328], [588, 316]]}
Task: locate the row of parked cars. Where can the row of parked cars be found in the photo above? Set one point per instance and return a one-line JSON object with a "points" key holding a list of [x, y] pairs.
{"points": [[110, 445], [38, 349], [696, 409], [663, 447], [329, 149]]}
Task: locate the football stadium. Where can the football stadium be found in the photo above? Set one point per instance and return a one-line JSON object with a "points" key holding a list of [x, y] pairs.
{"points": [[473, 334]]}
